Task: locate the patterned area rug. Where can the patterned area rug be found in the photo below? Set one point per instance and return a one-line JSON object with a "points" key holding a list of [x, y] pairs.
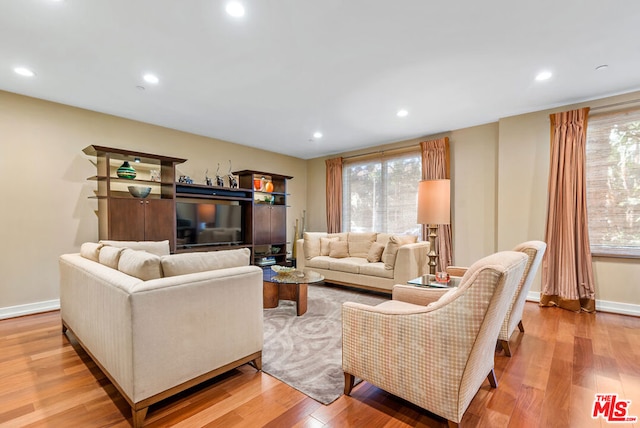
{"points": [[305, 352]]}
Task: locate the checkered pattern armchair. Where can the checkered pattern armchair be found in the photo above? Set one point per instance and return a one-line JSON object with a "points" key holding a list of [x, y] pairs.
{"points": [[534, 250], [435, 356]]}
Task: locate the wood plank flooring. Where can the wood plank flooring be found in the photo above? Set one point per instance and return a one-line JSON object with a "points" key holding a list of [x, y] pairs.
{"points": [[561, 361]]}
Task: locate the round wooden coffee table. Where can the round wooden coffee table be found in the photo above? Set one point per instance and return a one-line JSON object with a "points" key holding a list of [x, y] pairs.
{"points": [[287, 286]]}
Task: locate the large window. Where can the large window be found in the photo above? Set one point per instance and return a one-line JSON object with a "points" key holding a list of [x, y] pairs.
{"points": [[613, 183], [380, 194]]}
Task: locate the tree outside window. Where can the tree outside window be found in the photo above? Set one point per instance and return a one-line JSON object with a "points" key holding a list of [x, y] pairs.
{"points": [[613, 183], [380, 195]]}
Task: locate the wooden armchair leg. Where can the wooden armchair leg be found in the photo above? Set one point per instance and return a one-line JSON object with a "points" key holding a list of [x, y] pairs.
{"points": [[520, 326], [452, 424], [348, 383], [505, 347], [491, 377]]}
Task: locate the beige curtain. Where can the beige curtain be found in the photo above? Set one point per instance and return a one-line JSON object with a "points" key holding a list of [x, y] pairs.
{"points": [[334, 195], [567, 274], [435, 165]]}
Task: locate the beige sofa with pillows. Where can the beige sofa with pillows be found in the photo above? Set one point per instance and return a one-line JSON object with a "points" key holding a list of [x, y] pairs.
{"points": [[370, 260], [157, 324]]}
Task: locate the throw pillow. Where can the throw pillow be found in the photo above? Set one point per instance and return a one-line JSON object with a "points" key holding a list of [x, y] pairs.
{"points": [[375, 252], [311, 244], [182, 264], [91, 251], [109, 256], [324, 245], [391, 250], [140, 264], [359, 248], [338, 249], [159, 248]]}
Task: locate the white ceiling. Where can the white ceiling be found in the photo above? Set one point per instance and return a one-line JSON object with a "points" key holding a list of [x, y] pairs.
{"points": [[293, 67]]}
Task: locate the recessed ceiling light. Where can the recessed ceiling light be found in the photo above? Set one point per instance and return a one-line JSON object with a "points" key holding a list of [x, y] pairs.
{"points": [[402, 113], [602, 67], [150, 78], [317, 135], [22, 71], [235, 9], [544, 75]]}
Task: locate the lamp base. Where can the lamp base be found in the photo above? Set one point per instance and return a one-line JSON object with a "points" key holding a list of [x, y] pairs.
{"points": [[432, 254]]}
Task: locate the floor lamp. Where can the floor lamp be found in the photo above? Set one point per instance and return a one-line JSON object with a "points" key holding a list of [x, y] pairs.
{"points": [[434, 208]]}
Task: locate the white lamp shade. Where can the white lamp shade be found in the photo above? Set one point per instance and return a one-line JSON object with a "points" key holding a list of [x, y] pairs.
{"points": [[434, 202]]}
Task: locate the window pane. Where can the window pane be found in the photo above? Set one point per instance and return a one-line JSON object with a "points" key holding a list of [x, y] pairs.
{"points": [[613, 183], [380, 195]]}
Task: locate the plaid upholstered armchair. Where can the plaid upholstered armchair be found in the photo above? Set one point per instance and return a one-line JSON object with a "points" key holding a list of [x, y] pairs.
{"points": [[534, 250], [435, 356]]}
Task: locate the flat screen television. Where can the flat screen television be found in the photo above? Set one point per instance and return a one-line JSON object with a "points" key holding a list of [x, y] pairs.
{"points": [[201, 223]]}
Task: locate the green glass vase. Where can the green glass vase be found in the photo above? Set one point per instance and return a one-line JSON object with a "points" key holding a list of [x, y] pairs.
{"points": [[126, 171]]}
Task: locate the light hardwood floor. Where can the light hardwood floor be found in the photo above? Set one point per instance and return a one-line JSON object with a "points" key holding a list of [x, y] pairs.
{"points": [[561, 361]]}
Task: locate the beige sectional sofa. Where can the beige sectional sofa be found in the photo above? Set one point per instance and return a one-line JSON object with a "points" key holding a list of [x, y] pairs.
{"points": [[157, 324], [375, 261]]}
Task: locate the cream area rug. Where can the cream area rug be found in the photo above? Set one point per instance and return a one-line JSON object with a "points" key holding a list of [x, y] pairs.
{"points": [[305, 352]]}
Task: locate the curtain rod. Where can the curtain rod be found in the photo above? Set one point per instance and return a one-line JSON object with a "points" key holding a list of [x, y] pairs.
{"points": [[621, 103], [382, 152]]}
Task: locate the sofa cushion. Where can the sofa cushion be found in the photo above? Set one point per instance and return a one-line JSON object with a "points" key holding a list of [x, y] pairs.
{"points": [[348, 264], [391, 250], [109, 256], [359, 243], [91, 251], [140, 264], [342, 236], [320, 262], [383, 238], [375, 252], [182, 264], [338, 249], [324, 245], [376, 269], [311, 244], [159, 248]]}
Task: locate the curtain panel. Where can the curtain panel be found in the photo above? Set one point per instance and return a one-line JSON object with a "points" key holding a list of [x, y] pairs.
{"points": [[334, 195], [567, 272], [435, 165]]}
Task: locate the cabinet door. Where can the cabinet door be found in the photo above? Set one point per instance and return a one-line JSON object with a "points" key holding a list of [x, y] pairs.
{"points": [[126, 219], [158, 220], [261, 224], [278, 224]]}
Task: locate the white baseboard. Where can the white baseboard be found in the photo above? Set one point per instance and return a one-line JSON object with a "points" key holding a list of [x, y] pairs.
{"points": [[29, 308], [601, 305]]}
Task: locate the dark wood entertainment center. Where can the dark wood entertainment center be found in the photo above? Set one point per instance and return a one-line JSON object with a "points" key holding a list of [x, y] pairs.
{"points": [[260, 219]]}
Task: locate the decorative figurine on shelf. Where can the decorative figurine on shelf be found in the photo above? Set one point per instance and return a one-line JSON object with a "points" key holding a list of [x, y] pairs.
{"points": [[185, 179], [219, 179], [233, 181], [207, 179], [126, 171]]}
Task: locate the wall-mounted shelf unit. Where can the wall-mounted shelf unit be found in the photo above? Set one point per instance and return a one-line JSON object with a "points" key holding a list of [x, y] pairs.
{"points": [[268, 215], [124, 217]]}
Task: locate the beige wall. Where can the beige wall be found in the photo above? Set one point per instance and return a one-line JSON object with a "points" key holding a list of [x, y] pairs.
{"points": [[45, 209]]}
